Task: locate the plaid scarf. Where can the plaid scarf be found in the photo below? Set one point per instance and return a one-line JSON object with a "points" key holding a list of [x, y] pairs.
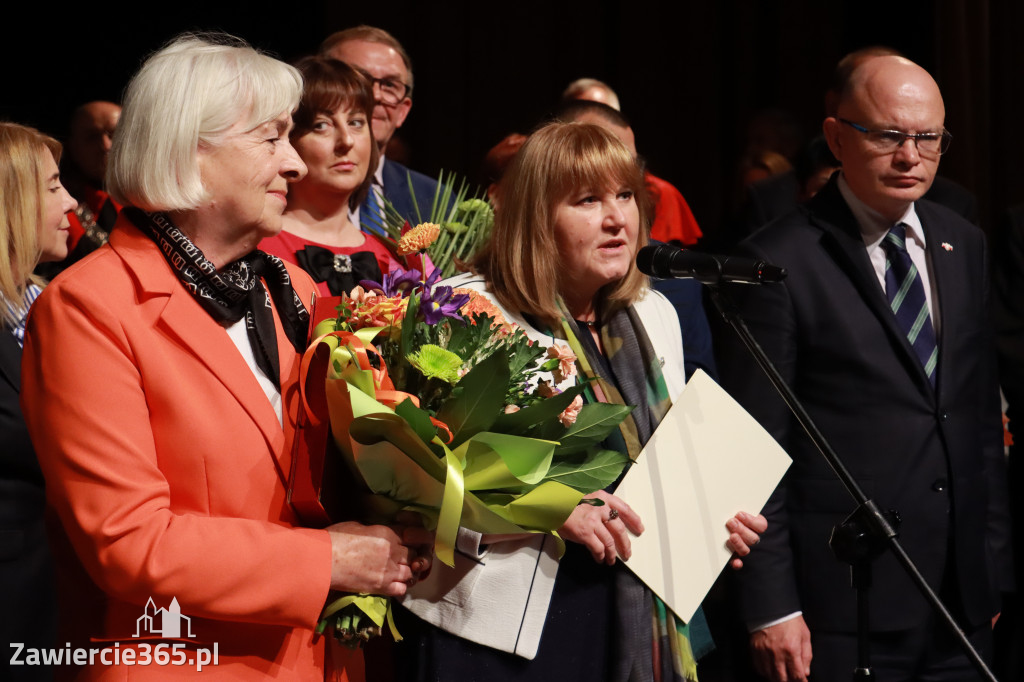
{"points": [[239, 289], [637, 371], [651, 644]]}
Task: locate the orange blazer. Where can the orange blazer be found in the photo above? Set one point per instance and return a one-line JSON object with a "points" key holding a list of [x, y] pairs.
{"points": [[168, 467]]}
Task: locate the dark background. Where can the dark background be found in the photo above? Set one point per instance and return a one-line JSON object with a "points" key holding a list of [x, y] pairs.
{"points": [[689, 73]]}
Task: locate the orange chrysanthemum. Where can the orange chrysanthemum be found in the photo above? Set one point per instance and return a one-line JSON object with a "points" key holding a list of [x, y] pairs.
{"points": [[478, 303], [418, 238]]}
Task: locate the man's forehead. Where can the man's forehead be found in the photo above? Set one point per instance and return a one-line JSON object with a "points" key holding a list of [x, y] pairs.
{"points": [[369, 55], [909, 114], [97, 117], [893, 83]]}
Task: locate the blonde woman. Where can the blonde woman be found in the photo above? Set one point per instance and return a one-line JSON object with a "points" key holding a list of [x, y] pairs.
{"points": [[560, 264], [33, 229]]}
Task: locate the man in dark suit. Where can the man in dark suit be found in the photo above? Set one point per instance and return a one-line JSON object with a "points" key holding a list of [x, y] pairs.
{"points": [[777, 195], [881, 329], [385, 62]]}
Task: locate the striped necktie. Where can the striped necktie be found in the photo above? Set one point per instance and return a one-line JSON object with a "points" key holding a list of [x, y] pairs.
{"points": [[905, 292], [371, 214]]}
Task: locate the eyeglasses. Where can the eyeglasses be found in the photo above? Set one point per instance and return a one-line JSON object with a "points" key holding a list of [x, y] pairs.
{"points": [[888, 141], [392, 91]]}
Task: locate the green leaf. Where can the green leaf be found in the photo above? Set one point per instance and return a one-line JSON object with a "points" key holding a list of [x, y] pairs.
{"points": [[418, 419], [549, 429], [593, 424], [415, 204], [504, 461], [467, 339], [405, 342], [478, 404], [524, 357], [596, 473], [529, 417]]}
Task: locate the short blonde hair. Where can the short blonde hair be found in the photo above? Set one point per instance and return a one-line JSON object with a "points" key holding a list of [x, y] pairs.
{"points": [[190, 93], [521, 259], [22, 155]]}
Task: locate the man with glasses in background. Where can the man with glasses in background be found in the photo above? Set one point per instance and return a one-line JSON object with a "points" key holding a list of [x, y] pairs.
{"points": [[881, 330], [383, 60]]}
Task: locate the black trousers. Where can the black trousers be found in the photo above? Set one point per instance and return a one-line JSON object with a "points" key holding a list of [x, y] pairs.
{"points": [[928, 653]]}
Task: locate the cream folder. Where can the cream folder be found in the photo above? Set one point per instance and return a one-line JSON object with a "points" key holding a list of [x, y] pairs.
{"points": [[707, 460]]}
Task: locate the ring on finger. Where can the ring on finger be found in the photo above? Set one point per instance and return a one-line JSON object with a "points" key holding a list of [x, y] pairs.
{"points": [[612, 515]]}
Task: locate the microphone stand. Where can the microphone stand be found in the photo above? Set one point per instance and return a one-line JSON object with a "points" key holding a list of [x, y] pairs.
{"points": [[867, 532]]}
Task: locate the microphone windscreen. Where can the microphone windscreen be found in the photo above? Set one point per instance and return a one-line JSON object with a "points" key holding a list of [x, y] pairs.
{"points": [[654, 259]]}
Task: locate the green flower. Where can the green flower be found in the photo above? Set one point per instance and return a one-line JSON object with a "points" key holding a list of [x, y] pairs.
{"points": [[474, 206], [455, 228], [476, 212], [435, 362]]}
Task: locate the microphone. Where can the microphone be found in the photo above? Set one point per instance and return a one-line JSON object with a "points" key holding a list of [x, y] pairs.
{"points": [[668, 262]]}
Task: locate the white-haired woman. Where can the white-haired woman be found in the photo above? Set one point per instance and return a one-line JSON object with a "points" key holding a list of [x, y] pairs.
{"points": [[160, 386]]}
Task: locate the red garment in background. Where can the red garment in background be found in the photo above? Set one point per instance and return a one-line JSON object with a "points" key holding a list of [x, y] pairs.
{"points": [[285, 244], [93, 199], [673, 219]]}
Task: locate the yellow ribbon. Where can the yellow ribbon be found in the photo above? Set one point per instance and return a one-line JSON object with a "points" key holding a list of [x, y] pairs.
{"points": [[376, 608], [451, 507]]}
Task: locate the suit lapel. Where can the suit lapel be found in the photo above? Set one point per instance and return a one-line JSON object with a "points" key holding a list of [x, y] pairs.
{"points": [[842, 239], [946, 269], [396, 190], [204, 338]]}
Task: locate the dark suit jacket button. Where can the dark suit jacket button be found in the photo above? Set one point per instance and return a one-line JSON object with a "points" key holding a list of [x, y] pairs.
{"points": [[943, 416], [939, 485]]}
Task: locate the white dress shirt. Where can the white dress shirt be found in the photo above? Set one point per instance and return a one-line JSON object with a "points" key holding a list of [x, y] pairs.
{"points": [[873, 228]]}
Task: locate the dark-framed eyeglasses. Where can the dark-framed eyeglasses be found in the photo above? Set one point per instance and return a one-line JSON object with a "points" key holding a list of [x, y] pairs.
{"points": [[392, 90], [888, 141]]}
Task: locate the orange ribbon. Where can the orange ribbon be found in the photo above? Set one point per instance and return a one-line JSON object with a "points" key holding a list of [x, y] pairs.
{"points": [[313, 369]]}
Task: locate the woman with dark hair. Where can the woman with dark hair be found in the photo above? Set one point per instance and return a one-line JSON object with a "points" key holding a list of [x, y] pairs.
{"points": [[161, 392], [321, 230], [33, 229], [560, 264]]}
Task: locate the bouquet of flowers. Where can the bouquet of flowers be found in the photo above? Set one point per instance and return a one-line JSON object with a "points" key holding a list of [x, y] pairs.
{"points": [[439, 405], [461, 219]]}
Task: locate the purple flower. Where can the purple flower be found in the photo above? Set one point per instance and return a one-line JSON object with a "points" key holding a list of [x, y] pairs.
{"points": [[397, 283], [441, 302], [435, 275]]}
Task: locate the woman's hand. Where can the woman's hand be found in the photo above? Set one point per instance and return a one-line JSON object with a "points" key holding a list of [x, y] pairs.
{"points": [[606, 538], [384, 560], [744, 532]]}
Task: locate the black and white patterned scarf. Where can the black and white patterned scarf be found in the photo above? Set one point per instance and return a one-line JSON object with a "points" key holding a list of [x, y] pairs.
{"points": [[243, 288]]}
